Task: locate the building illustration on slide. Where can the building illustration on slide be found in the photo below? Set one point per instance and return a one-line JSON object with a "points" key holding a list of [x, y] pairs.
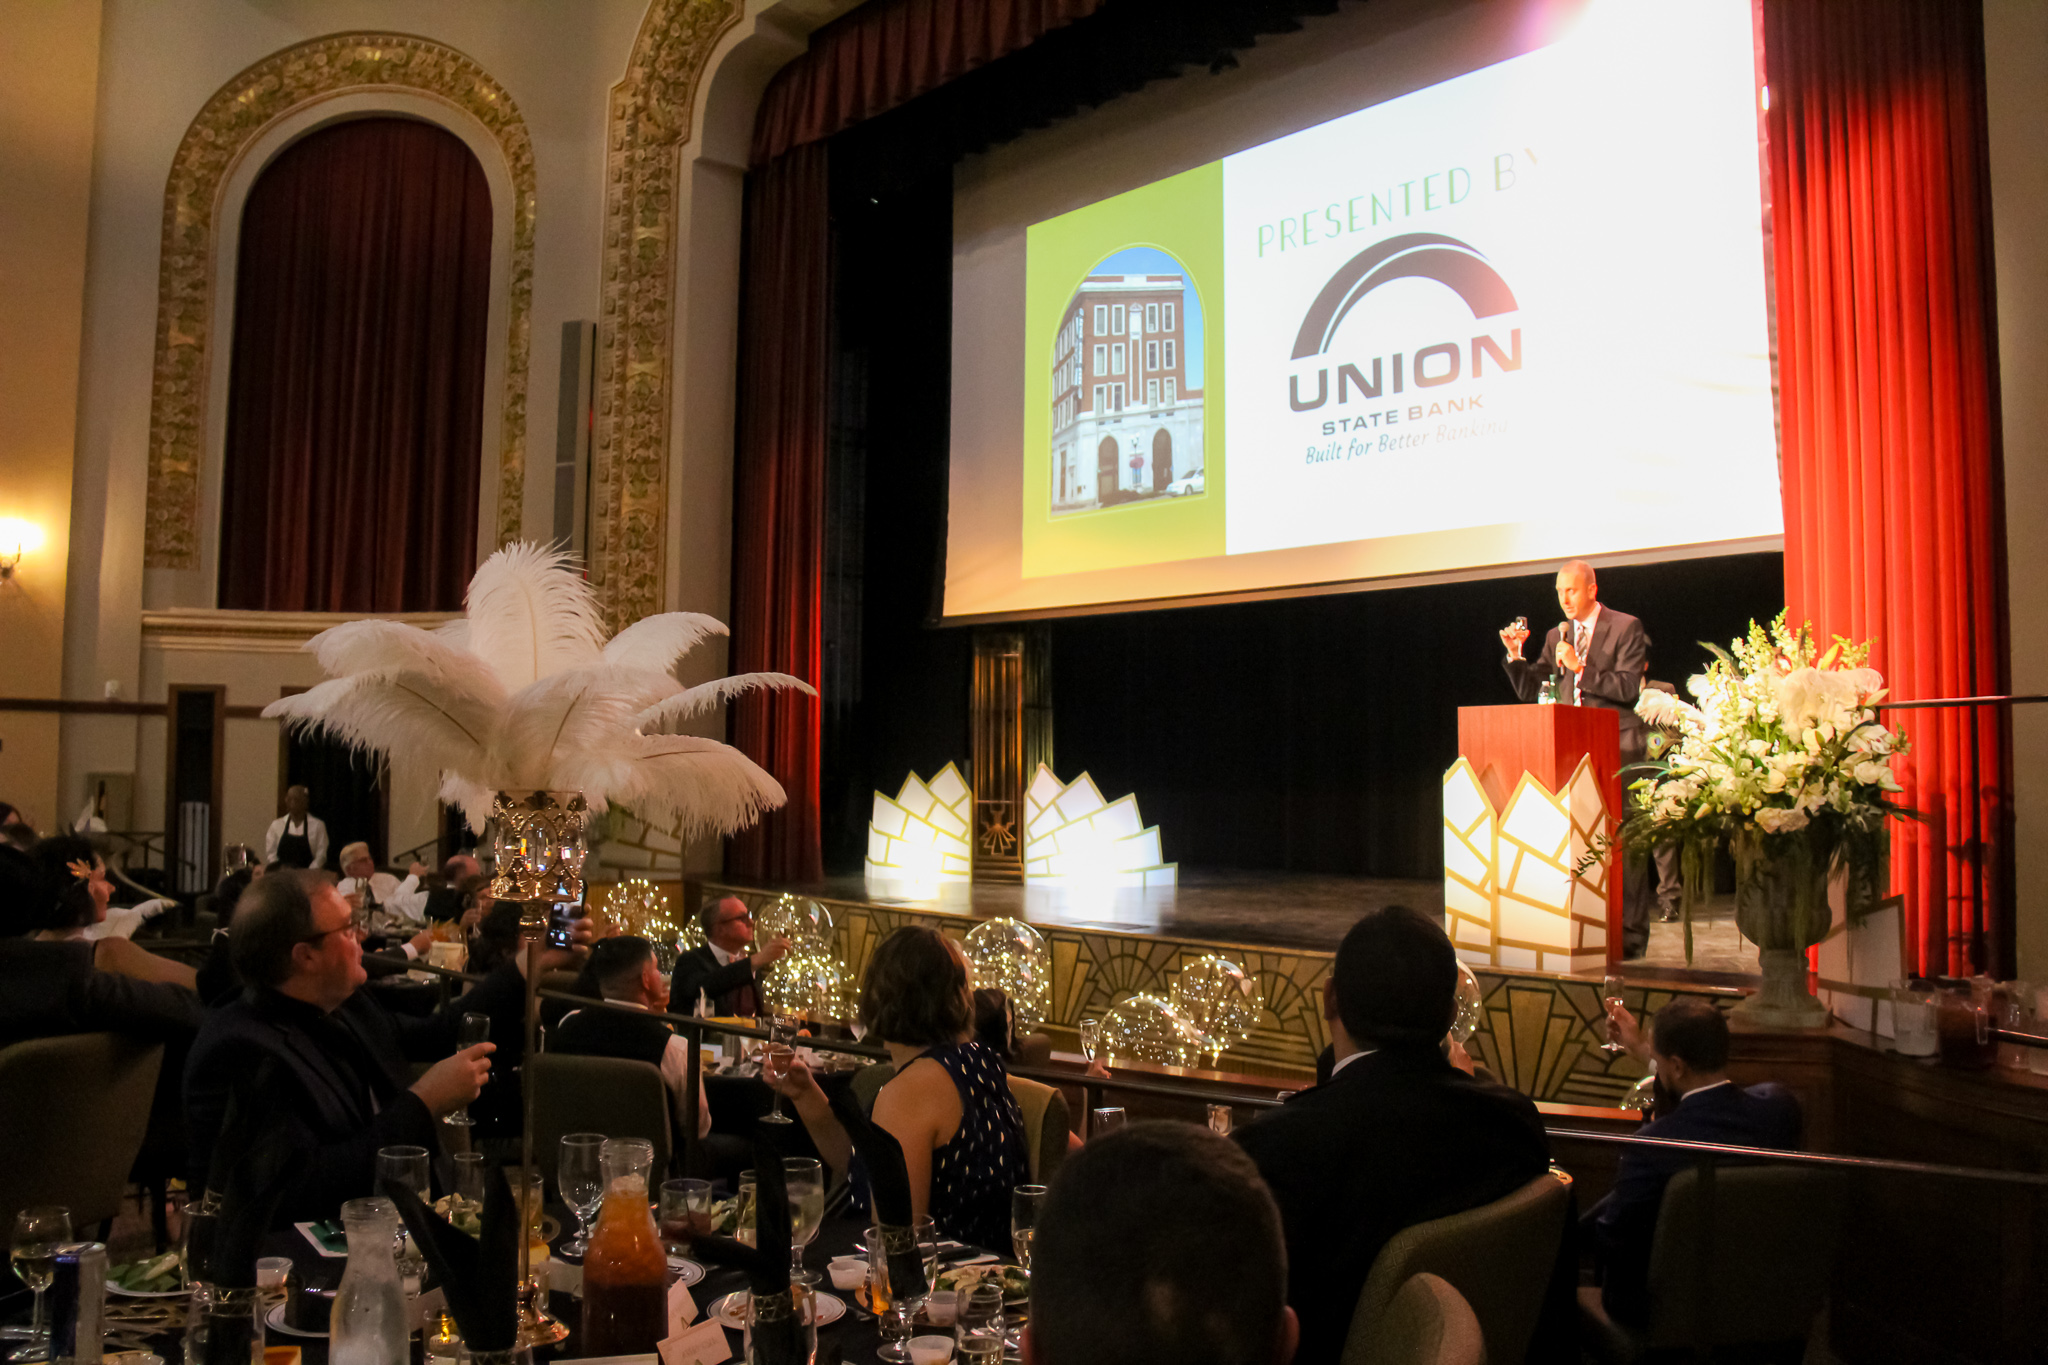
{"points": [[1126, 420]]}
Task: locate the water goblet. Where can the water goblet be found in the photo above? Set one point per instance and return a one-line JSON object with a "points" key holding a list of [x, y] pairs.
{"points": [[38, 1232], [474, 1029], [1610, 996], [580, 1179], [775, 1060]]}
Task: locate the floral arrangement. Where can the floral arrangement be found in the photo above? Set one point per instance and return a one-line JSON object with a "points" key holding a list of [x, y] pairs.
{"points": [[1784, 757]]}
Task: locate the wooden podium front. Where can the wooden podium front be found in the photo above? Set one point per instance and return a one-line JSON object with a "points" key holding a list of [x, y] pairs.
{"points": [[1533, 788]]}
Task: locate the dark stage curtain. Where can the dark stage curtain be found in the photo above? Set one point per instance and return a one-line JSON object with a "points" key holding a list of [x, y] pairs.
{"points": [[938, 79], [355, 404], [779, 500], [1894, 515]]}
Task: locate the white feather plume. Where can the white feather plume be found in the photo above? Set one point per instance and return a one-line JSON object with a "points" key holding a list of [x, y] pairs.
{"points": [[531, 614], [525, 693], [557, 727], [656, 642], [697, 785], [693, 701], [399, 711]]}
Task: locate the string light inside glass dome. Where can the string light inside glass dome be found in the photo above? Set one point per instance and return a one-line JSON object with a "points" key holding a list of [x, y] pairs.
{"points": [[1011, 956], [1219, 1000]]}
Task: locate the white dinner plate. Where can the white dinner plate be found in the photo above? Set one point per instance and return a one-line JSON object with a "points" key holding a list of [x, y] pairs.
{"points": [[730, 1311], [275, 1321], [687, 1271]]}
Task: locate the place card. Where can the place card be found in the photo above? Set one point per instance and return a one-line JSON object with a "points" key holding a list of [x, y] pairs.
{"points": [[682, 1308], [703, 1344]]}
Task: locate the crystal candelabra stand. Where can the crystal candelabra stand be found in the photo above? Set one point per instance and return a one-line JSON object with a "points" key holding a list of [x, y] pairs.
{"points": [[539, 849]]}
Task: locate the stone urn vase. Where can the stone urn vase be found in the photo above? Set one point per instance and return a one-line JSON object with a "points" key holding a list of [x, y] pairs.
{"points": [[1781, 905]]}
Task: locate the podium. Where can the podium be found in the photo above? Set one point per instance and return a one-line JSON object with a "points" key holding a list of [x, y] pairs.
{"points": [[1533, 788]]}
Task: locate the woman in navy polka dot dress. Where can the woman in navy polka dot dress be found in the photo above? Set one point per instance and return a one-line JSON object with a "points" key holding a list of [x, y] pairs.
{"points": [[949, 1104]]}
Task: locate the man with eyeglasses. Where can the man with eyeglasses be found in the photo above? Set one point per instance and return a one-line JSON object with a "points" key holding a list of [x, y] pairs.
{"points": [[726, 967], [328, 1057]]}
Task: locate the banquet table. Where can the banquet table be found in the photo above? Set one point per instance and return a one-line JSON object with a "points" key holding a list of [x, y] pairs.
{"points": [[852, 1340]]}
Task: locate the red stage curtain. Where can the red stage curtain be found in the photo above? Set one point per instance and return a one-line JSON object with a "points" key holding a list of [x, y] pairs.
{"points": [[355, 403], [889, 52], [779, 500], [1894, 516]]}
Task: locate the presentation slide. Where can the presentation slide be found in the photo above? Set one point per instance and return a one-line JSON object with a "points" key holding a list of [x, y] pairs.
{"points": [[1513, 316]]}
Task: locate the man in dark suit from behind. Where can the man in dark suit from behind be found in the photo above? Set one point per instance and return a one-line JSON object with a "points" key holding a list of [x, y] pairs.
{"points": [[1696, 1102], [726, 967], [335, 1058], [1396, 1136], [624, 972]]}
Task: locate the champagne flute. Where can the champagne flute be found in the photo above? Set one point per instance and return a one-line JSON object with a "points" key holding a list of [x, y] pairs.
{"points": [[1025, 1203], [1610, 996], [38, 1232], [775, 1060], [805, 1178], [580, 1179], [474, 1029], [743, 1220], [1091, 1030]]}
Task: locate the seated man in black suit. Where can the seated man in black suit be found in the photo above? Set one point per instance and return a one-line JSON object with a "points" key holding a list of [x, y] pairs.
{"points": [[725, 967], [1696, 1102], [333, 1059], [1159, 1245], [1396, 1136], [624, 972]]}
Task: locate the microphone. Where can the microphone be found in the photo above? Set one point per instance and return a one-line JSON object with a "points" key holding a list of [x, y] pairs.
{"points": [[1564, 637]]}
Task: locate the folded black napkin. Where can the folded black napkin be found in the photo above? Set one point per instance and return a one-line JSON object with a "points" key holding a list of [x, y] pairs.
{"points": [[778, 1333], [252, 1163], [480, 1274], [889, 1188]]}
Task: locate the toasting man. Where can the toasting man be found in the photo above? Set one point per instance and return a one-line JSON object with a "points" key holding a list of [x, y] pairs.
{"points": [[1598, 656]]}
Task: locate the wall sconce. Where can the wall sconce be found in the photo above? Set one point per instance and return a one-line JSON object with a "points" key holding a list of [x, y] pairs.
{"points": [[17, 537]]}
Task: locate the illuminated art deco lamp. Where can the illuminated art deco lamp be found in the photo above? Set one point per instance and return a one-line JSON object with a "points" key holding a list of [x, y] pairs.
{"points": [[1011, 956], [1218, 1000]]}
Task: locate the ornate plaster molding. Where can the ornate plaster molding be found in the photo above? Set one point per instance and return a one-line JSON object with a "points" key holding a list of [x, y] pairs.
{"points": [[648, 120], [232, 121]]}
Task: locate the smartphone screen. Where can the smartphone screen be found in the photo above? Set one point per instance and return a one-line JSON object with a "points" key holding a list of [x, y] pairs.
{"points": [[561, 922]]}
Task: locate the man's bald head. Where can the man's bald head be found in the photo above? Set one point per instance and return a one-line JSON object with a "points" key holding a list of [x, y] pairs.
{"points": [[1577, 589]]}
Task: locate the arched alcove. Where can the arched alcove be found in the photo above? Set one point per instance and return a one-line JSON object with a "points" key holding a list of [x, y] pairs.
{"points": [[352, 432]]}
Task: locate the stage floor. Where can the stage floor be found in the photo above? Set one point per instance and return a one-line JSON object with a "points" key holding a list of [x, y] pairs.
{"points": [[1271, 910]]}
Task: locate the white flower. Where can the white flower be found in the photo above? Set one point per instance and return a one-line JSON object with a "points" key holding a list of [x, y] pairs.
{"points": [[1777, 821]]}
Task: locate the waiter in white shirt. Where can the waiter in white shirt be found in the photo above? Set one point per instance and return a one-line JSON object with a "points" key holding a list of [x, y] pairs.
{"points": [[405, 900], [1599, 656], [297, 838]]}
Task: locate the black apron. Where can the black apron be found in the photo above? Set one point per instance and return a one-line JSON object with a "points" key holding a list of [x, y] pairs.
{"points": [[295, 850]]}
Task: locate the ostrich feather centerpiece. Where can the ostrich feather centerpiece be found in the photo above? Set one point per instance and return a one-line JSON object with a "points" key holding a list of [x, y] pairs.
{"points": [[525, 693]]}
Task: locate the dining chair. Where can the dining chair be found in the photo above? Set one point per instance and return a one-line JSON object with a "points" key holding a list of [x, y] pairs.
{"points": [[1708, 1287], [1499, 1256], [1045, 1126], [75, 1110], [611, 1095], [1427, 1323]]}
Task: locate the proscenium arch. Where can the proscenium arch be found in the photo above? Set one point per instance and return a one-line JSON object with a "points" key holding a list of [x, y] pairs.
{"points": [[1425, 255], [246, 123]]}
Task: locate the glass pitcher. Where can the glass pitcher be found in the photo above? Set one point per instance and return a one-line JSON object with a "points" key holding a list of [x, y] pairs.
{"points": [[625, 1271], [369, 1323]]}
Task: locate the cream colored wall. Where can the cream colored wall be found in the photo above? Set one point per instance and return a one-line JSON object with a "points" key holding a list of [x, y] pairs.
{"points": [[49, 76], [2016, 76], [161, 63]]}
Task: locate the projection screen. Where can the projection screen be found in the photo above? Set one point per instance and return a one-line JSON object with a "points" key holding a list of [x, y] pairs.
{"points": [[1453, 291]]}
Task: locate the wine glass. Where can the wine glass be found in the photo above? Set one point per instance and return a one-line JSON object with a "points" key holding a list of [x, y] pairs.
{"points": [[1220, 1119], [1610, 996], [1091, 1030], [38, 1232], [474, 1029], [805, 1178], [775, 1060], [580, 1179], [1107, 1121]]}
